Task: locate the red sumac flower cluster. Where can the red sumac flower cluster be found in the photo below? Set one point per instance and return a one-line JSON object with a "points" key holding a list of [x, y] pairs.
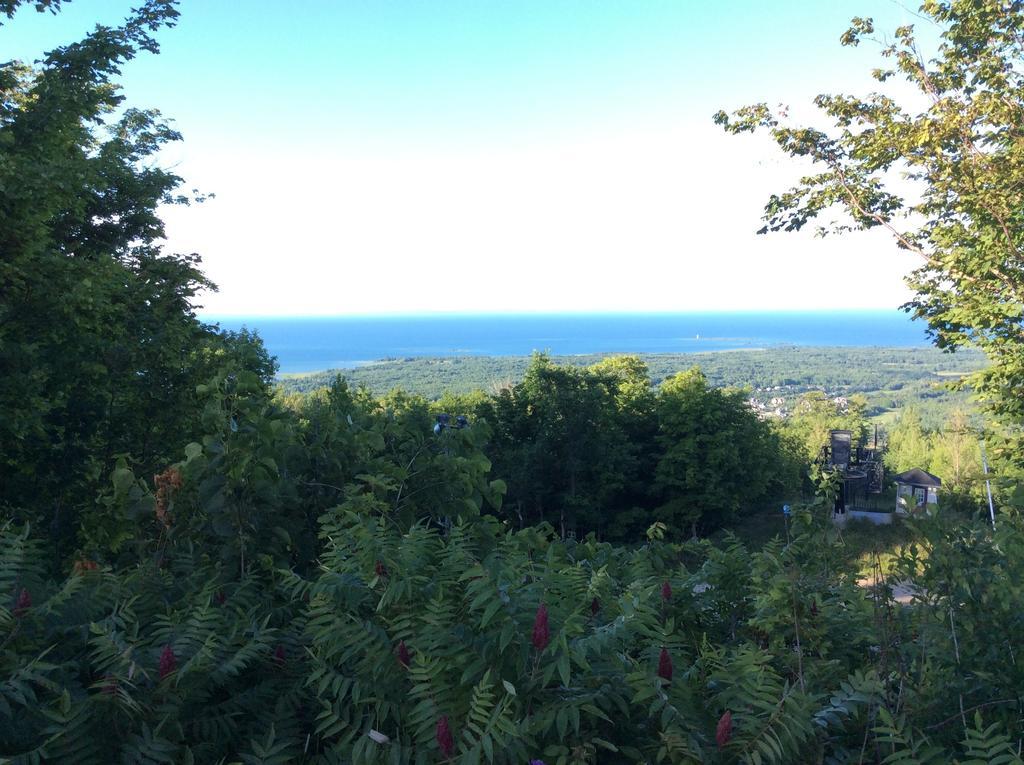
{"points": [[23, 603], [665, 666], [402, 653], [541, 632], [445, 742], [168, 662], [723, 731]]}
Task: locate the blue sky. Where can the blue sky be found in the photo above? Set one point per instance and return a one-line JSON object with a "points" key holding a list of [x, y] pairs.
{"points": [[379, 157]]}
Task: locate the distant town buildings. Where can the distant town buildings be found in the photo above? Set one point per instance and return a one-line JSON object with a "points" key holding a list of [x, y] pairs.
{"points": [[779, 401]]}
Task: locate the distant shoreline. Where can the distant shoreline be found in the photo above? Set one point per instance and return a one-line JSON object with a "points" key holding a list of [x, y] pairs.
{"points": [[889, 375], [562, 357], [406, 359]]}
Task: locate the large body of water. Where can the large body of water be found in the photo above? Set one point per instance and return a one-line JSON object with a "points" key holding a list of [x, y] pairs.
{"points": [[314, 344]]}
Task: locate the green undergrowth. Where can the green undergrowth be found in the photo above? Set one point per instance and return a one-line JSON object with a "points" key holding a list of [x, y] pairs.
{"points": [[861, 543], [464, 640]]}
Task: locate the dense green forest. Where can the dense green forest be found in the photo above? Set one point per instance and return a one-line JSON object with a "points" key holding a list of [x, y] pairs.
{"points": [[890, 378], [196, 566]]}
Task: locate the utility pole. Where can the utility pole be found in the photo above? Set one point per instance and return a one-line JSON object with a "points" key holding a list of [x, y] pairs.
{"points": [[988, 484]]}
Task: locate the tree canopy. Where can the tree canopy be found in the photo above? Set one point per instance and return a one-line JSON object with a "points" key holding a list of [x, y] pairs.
{"points": [[100, 348], [941, 170], [716, 456]]}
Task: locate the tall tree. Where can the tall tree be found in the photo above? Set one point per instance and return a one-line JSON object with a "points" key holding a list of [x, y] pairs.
{"points": [[909, 444], [716, 457], [100, 348], [956, 458], [560, 442], [636, 417], [942, 171]]}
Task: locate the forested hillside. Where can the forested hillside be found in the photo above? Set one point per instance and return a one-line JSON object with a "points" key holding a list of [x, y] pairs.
{"points": [[794, 369], [890, 378], [198, 568]]}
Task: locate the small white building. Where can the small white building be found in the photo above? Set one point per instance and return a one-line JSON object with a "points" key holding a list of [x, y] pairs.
{"points": [[916, 489]]}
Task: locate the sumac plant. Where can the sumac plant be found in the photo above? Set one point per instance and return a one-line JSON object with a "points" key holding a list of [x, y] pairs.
{"points": [[185, 659]]}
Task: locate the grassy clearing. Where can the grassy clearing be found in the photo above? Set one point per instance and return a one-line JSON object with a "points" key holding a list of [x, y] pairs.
{"points": [[862, 539], [865, 541], [887, 418]]}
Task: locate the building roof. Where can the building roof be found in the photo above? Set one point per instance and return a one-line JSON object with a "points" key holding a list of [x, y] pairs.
{"points": [[919, 477]]}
